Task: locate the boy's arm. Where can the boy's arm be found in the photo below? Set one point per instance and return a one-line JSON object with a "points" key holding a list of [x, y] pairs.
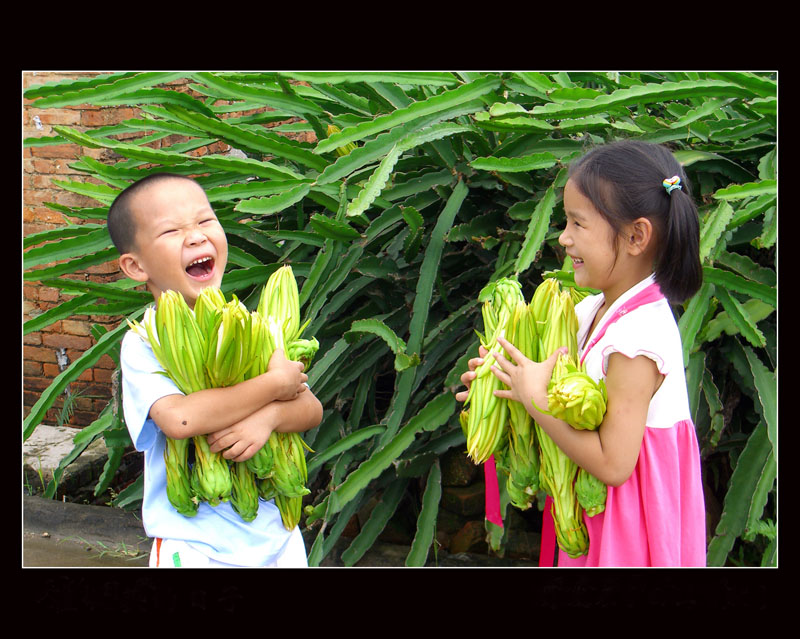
{"points": [[242, 440], [206, 411]]}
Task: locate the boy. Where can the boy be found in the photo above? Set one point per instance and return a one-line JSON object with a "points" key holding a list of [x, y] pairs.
{"points": [[168, 237]]}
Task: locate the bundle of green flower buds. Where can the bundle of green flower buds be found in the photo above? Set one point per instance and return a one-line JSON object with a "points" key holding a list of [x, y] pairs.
{"points": [[554, 314], [576, 398], [485, 416], [524, 452], [522, 455], [221, 343]]}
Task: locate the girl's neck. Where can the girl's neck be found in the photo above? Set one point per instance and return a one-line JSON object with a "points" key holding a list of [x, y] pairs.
{"points": [[627, 280], [610, 296]]}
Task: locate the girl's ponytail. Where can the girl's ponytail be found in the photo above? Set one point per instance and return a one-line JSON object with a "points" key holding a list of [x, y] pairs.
{"points": [[678, 270]]}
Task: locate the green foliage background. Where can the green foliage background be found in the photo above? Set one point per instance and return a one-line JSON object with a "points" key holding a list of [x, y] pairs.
{"points": [[451, 180]]}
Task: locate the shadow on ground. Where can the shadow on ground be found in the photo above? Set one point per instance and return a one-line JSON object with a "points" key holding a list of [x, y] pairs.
{"points": [[65, 534]]}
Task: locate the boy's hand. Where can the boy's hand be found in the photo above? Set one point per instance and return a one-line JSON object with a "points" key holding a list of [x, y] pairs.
{"points": [[467, 377], [243, 439], [288, 376]]}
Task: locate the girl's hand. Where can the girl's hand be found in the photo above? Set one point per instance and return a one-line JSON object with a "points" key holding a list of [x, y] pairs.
{"points": [[525, 378], [467, 377]]}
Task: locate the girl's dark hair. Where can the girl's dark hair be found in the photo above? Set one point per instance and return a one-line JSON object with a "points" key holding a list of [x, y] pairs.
{"points": [[120, 221], [623, 180]]}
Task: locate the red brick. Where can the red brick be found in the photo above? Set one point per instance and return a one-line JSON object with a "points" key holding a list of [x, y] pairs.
{"points": [[66, 117], [32, 339], [50, 371], [35, 384], [28, 399], [55, 327], [30, 291], [39, 181], [49, 294], [31, 369], [83, 403], [72, 327], [41, 218], [70, 151], [29, 309], [105, 363], [60, 168], [37, 198], [107, 156], [105, 268], [31, 227], [56, 340], [96, 392], [103, 375], [38, 354], [67, 198], [95, 118]]}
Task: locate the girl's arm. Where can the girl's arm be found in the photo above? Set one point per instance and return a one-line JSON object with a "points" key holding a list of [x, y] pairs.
{"points": [[211, 409], [610, 452], [243, 439]]}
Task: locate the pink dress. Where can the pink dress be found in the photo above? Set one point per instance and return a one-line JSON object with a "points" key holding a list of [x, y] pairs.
{"points": [[657, 517]]}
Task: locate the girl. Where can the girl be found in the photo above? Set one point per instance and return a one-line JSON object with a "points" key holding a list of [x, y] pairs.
{"points": [[632, 232]]}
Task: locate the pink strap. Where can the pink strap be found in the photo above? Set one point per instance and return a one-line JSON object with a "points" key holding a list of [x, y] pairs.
{"points": [[547, 548], [650, 294], [492, 492]]}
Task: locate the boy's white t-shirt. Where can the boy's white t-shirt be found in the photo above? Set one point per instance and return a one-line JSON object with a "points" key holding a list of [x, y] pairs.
{"points": [[216, 531]]}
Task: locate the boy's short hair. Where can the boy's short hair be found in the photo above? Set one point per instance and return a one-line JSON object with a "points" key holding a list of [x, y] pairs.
{"points": [[120, 221]]}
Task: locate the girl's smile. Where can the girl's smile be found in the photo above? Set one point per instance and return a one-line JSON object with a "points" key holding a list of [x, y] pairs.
{"points": [[588, 239]]}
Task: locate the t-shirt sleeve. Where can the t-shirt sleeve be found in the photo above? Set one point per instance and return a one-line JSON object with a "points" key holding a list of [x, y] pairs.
{"points": [[143, 383], [643, 332]]}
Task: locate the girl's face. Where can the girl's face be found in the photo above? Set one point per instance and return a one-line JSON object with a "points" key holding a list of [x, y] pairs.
{"points": [[589, 241]]}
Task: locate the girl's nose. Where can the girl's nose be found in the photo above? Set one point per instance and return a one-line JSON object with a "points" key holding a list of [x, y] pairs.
{"points": [[563, 238]]}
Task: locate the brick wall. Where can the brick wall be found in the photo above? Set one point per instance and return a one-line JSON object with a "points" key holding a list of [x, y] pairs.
{"points": [[40, 166]]}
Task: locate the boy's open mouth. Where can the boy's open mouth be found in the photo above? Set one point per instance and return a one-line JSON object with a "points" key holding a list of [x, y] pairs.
{"points": [[201, 268]]}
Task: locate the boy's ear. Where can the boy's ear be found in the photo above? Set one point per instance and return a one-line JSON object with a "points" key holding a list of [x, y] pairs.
{"points": [[129, 264], [639, 236]]}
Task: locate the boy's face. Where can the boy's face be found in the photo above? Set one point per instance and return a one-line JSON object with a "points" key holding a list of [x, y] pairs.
{"points": [[180, 244]]}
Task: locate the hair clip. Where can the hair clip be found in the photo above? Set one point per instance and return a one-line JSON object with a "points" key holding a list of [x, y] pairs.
{"points": [[672, 183]]}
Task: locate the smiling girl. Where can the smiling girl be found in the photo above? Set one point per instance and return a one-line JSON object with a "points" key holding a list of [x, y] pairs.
{"points": [[632, 232]]}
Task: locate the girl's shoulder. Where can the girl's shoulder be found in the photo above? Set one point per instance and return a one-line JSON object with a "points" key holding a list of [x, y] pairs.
{"points": [[649, 330]]}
